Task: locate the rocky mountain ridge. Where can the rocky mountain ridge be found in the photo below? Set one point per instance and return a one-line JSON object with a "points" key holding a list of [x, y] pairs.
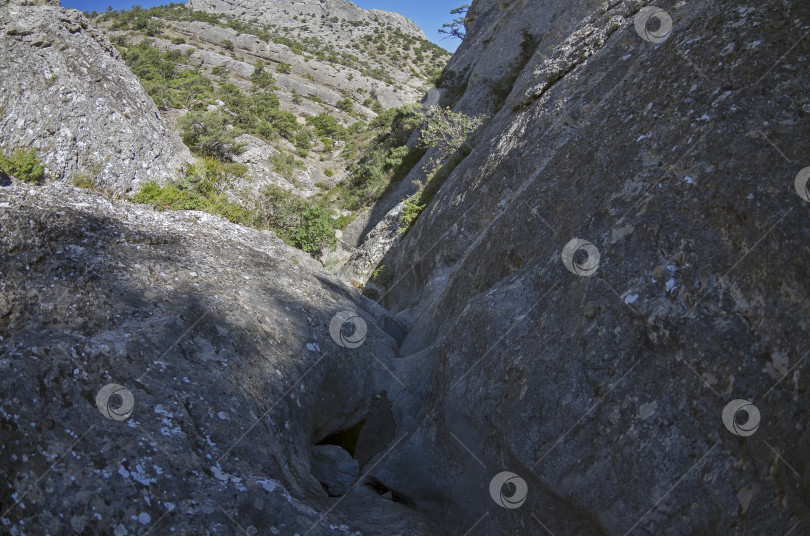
{"points": [[290, 13]]}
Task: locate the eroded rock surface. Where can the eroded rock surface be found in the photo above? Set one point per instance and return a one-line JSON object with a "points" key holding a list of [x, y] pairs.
{"points": [[605, 391], [221, 335], [67, 94]]}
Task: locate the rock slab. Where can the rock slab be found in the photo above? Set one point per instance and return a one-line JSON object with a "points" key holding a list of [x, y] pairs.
{"points": [[67, 94]]}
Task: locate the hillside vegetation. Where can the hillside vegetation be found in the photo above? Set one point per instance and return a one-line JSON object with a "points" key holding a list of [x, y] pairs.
{"points": [[319, 163]]}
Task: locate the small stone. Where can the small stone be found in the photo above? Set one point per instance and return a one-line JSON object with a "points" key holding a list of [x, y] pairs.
{"points": [[334, 468]]}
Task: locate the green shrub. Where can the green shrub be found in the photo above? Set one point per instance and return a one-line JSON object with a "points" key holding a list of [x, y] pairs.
{"points": [[303, 140], [285, 164], [208, 134], [385, 159], [202, 189], [449, 131], [227, 44], [395, 156], [302, 224], [328, 172], [345, 105], [83, 181], [283, 68], [285, 123], [261, 79], [169, 86], [410, 213], [23, 165], [327, 126]]}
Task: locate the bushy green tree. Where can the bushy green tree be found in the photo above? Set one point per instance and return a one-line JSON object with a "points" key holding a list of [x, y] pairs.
{"points": [[345, 105], [327, 126], [303, 224], [189, 88], [285, 123], [261, 79], [448, 131], [148, 63], [303, 140], [220, 71], [208, 133]]}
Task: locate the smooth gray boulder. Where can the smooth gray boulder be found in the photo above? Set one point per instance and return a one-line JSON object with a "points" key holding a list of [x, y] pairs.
{"points": [[334, 468], [218, 335]]}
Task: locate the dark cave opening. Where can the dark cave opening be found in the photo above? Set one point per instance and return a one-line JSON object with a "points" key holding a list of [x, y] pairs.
{"points": [[345, 439]]}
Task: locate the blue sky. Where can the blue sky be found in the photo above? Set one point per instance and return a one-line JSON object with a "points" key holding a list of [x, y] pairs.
{"points": [[428, 14]]}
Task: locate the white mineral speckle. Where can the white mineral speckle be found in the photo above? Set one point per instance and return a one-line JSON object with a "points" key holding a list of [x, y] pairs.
{"points": [[645, 411], [267, 484]]}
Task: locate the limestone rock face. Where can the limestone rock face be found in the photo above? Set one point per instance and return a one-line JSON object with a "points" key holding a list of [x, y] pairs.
{"points": [[601, 382], [312, 77], [219, 336], [67, 94], [286, 12]]}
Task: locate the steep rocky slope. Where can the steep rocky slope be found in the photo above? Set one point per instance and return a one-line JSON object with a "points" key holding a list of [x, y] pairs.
{"points": [[66, 93], [601, 377]]}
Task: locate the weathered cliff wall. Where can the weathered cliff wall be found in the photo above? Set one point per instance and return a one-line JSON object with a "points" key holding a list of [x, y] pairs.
{"points": [[67, 94], [603, 384]]}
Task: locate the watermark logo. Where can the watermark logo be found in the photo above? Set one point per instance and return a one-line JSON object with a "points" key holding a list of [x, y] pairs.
{"points": [[348, 329], [802, 184], [115, 402], [508, 490], [646, 18], [741, 417], [580, 257]]}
